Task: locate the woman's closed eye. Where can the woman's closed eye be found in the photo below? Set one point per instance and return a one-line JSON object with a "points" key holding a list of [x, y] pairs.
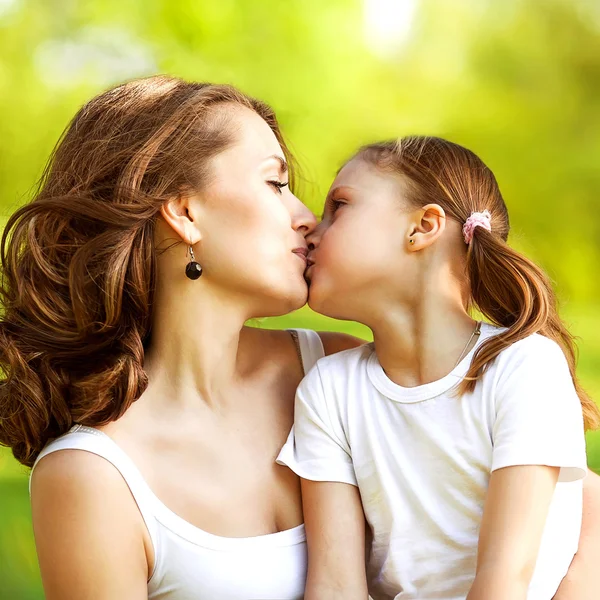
{"points": [[277, 185]]}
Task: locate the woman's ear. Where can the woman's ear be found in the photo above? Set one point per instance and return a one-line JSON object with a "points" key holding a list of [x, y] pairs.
{"points": [[428, 225], [182, 214]]}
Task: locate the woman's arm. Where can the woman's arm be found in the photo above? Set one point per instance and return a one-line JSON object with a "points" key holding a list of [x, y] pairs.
{"points": [[514, 516], [335, 533], [581, 582], [88, 531]]}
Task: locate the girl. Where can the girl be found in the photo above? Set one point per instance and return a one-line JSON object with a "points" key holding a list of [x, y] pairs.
{"points": [[463, 439]]}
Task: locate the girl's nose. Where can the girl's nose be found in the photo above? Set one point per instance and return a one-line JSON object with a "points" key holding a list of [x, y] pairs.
{"points": [[313, 239]]}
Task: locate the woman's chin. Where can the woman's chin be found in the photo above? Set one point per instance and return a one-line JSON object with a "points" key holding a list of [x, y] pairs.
{"points": [[292, 298]]}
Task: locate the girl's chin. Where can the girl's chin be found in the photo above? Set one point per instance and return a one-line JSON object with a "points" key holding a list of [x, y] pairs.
{"points": [[315, 298], [325, 301]]}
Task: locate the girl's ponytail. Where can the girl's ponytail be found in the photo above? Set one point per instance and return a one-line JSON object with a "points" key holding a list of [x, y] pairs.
{"points": [[513, 292]]}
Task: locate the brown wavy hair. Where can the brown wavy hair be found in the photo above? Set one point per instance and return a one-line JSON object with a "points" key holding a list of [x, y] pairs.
{"points": [[506, 287], [78, 261]]}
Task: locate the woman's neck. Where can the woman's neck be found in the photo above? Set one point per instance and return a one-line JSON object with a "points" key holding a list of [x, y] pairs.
{"points": [[195, 347]]}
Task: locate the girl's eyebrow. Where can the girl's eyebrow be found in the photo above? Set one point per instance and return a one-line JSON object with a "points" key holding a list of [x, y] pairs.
{"points": [[331, 193]]}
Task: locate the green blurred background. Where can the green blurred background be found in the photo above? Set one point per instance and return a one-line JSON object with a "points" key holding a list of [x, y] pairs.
{"points": [[518, 81]]}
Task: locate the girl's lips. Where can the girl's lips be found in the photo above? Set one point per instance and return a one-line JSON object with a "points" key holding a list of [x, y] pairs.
{"points": [[308, 274]]}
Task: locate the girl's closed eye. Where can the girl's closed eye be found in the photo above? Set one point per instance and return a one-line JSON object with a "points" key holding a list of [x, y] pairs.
{"points": [[277, 185], [334, 205]]}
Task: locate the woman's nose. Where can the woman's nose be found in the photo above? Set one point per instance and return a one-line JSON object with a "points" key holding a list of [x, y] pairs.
{"points": [[304, 220]]}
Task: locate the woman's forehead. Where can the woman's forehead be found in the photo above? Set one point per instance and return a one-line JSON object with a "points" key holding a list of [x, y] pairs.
{"points": [[253, 134]]}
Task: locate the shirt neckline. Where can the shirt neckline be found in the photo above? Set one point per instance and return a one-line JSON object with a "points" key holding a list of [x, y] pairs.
{"points": [[427, 391]]}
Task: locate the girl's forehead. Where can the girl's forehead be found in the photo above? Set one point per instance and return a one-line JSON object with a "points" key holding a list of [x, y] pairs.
{"points": [[354, 169], [362, 175]]}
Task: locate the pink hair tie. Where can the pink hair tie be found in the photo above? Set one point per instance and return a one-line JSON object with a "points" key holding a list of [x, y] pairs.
{"points": [[477, 219]]}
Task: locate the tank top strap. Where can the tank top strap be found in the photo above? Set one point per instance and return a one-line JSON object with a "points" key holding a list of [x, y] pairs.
{"points": [[95, 441], [310, 346], [311, 350]]}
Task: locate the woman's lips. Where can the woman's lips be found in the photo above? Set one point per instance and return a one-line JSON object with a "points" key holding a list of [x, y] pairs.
{"points": [[301, 253]]}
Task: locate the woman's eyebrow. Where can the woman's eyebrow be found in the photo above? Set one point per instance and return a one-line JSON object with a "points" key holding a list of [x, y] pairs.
{"points": [[283, 167]]}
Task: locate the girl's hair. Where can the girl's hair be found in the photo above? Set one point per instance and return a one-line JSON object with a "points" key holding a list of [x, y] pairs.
{"points": [[78, 261], [507, 288]]}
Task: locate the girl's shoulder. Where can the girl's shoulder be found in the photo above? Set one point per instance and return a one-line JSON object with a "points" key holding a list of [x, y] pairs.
{"points": [[535, 358], [341, 365], [533, 348]]}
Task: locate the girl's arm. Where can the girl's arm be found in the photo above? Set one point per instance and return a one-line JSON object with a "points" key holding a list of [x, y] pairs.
{"points": [[538, 440], [320, 454], [335, 532], [514, 516], [581, 582]]}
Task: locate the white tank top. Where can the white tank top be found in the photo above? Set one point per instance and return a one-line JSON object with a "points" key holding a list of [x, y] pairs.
{"points": [[192, 564]]}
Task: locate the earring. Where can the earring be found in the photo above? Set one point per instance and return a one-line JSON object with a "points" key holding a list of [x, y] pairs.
{"points": [[411, 241], [193, 270]]}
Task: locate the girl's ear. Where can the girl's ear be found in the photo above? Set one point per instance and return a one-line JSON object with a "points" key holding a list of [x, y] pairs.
{"points": [[428, 225]]}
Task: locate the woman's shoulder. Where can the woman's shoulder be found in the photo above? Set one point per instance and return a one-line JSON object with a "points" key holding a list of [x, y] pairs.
{"points": [[71, 473], [79, 500], [278, 339], [72, 488], [334, 342]]}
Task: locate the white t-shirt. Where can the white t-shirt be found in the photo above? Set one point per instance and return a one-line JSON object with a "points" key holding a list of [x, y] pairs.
{"points": [[421, 458]]}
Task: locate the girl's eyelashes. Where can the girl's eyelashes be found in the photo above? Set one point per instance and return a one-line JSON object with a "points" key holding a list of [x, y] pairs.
{"points": [[333, 205], [278, 185]]}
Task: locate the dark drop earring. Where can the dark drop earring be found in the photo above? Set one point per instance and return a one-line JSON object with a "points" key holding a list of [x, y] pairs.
{"points": [[193, 270]]}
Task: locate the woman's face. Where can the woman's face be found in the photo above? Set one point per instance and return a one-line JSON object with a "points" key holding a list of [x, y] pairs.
{"points": [[251, 228], [358, 251]]}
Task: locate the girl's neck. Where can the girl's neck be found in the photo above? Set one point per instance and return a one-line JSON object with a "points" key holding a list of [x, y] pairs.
{"points": [[420, 344]]}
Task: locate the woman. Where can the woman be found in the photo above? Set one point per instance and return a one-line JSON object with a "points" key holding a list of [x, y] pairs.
{"points": [[164, 221]]}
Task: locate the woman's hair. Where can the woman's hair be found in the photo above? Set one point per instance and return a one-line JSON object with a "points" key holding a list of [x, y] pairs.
{"points": [[505, 286], [78, 261]]}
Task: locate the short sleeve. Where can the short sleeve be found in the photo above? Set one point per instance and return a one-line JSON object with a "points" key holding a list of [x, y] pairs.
{"points": [[539, 419], [316, 448]]}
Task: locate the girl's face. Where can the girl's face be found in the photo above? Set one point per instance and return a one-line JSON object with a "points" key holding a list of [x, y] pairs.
{"points": [[358, 253], [249, 229]]}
